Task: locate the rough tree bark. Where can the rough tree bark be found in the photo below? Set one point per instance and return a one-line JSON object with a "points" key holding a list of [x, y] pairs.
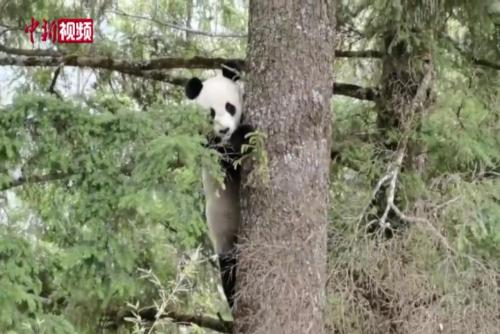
{"points": [[282, 268]]}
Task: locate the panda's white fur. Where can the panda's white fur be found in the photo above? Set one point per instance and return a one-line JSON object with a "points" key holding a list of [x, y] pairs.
{"points": [[222, 97], [215, 94], [222, 209]]}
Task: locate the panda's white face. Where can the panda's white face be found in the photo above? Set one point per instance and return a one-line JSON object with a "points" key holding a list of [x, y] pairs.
{"points": [[222, 98]]}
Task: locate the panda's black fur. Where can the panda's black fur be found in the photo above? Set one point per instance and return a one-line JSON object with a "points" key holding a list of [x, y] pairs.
{"points": [[222, 97]]}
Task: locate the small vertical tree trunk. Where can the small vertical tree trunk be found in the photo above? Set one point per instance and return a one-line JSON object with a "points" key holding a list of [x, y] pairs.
{"points": [[189, 17], [282, 268]]}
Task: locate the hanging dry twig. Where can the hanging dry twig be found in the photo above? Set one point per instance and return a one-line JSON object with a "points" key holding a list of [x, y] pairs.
{"points": [[391, 177]]}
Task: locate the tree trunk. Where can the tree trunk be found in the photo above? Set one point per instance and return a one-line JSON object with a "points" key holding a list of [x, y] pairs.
{"points": [[285, 197]]}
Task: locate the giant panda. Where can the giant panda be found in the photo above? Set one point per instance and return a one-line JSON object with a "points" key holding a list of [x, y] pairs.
{"points": [[222, 96]]}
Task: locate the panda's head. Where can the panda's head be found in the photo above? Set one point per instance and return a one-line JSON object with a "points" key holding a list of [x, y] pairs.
{"points": [[222, 97]]}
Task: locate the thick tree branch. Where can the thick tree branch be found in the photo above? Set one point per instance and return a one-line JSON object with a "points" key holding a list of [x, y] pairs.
{"points": [[152, 69], [33, 179], [219, 325], [120, 65], [354, 91], [54, 176], [196, 62], [339, 88], [486, 63], [162, 76], [57, 54], [358, 54], [150, 314]]}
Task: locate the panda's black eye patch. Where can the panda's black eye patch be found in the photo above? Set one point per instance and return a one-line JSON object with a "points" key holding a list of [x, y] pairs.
{"points": [[212, 112], [230, 109]]}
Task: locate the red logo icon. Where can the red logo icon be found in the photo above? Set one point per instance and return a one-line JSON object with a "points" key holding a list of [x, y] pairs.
{"points": [[63, 30]]}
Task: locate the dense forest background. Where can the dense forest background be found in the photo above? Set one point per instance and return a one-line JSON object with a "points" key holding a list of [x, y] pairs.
{"points": [[101, 211]]}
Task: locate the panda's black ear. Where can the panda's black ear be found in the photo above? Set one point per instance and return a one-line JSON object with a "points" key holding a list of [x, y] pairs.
{"points": [[193, 88], [231, 70]]}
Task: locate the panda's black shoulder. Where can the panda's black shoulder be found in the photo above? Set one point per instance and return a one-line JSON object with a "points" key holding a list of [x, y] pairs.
{"points": [[239, 137]]}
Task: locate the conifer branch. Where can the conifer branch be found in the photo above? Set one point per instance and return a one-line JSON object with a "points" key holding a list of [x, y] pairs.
{"points": [[476, 61]]}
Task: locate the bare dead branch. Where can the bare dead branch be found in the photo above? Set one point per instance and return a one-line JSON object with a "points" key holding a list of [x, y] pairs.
{"points": [[391, 191], [177, 27], [375, 191], [435, 231], [401, 151], [31, 53], [421, 92], [395, 167]]}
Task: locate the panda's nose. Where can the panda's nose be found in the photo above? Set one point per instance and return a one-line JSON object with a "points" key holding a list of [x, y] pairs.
{"points": [[223, 131]]}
